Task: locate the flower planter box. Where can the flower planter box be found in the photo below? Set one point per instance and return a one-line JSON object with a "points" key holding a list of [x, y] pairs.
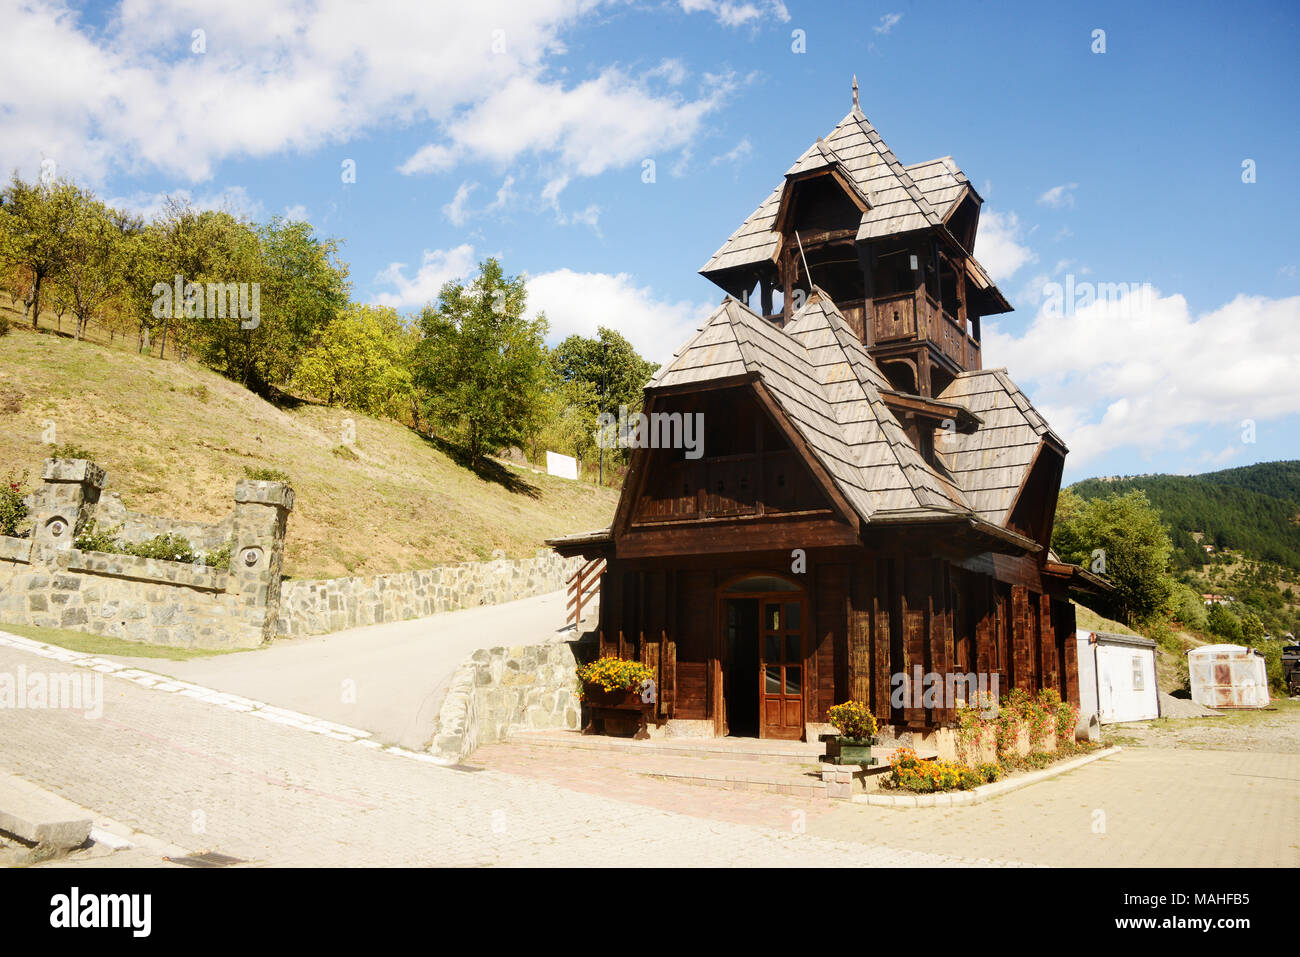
{"points": [[841, 749], [618, 713]]}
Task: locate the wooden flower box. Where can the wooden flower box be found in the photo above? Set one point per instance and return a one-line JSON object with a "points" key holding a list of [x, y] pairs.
{"points": [[619, 713]]}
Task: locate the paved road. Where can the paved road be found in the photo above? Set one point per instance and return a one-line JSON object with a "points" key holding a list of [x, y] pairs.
{"points": [[206, 778], [387, 679]]}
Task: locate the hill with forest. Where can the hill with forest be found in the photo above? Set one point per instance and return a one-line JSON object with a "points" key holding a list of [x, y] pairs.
{"points": [[1253, 510], [373, 495]]}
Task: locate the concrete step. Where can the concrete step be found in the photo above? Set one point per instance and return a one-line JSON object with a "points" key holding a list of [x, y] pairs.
{"points": [[729, 748], [37, 817]]}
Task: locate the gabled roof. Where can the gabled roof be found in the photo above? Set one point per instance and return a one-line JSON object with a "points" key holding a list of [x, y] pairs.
{"points": [[897, 203], [991, 463], [942, 182], [828, 387]]}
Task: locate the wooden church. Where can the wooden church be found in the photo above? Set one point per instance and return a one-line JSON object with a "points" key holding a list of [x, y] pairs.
{"points": [[869, 498]]}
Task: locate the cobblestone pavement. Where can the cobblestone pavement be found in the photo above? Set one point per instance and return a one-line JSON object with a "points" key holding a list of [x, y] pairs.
{"points": [[1140, 807], [203, 777]]}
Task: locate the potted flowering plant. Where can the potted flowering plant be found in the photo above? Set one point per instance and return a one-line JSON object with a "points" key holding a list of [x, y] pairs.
{"points": [[612, 682], [857, 733]]}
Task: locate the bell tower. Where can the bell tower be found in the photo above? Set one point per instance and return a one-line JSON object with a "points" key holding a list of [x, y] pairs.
{"points": [[892, 245]]}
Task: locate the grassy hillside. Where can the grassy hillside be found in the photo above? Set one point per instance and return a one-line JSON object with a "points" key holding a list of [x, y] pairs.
{"points": [[1254, 510], [175, 437]]}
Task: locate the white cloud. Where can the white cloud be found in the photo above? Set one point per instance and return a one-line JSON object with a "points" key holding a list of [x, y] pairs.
{"points": [[455, 210], [998, 246], [740, 151], [609, 121], [887, 22], [437, 267], [580, 302], [1143, 372], [233, 199], [731, 14], [1059, 197], [287, 75]]}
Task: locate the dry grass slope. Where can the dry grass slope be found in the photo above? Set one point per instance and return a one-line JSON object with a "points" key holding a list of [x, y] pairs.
{"points": [[175, 437]]}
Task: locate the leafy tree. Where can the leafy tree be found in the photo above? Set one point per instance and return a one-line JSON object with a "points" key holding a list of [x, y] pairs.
{"points": [[565, 420], [1134, 544], [304, 287], [1252, 629], [609, 364], [92, 274], [1224, 623], [36, 223], [480, 364], [1187, 607], [358, 361]]}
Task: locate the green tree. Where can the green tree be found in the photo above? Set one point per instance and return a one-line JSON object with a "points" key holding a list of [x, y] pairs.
{"points": [[93, 270], [304, 287], [358, 361], [609, 364], [480, 363], [565, 420], [1252, 629], [1224, 623], [36, 222], [1125, 533], [1187, 607]]}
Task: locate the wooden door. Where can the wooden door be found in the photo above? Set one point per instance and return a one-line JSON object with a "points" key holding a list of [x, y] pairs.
{"points": [[781, 672]]}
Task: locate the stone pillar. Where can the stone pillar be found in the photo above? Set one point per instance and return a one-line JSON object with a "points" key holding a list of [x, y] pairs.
{"points": [[257, 555], [63, 503]]}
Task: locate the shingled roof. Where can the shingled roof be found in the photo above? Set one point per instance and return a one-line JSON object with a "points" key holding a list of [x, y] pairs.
{"points": [[900, 198], [991, 462], [830, 389]]}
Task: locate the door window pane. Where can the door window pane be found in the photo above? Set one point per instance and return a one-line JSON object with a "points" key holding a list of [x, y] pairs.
{"points": [[792, 683], [772, 615], [792, 650], [772, 682], [792, 610], [771, 647]]}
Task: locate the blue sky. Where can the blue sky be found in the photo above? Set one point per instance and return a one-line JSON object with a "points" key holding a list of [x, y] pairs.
{"points": [[523, 130]]}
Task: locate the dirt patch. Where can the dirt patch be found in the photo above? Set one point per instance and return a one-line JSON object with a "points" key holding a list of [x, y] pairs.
{"points": [[1276, 731]]}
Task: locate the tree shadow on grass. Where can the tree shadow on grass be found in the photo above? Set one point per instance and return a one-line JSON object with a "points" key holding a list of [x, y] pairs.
{"points": [[486, 469]]}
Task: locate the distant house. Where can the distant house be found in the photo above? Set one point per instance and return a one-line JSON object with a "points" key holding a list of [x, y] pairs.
{"points": [[1216, 599], [1209, 549], [869, 502]]}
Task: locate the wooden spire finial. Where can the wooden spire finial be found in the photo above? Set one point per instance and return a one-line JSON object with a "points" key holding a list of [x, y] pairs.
{"points": [[856, 105]]}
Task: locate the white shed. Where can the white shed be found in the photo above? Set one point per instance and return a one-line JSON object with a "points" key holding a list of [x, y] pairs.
{"points": [[1228, 676], [1117, 677]]}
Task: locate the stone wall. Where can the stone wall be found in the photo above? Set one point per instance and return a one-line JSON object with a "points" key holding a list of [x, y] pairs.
{"points": [[321, 606], [46, 581], [498, 691]]}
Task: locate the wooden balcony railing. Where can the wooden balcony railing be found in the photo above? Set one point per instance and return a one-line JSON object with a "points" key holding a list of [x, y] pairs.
{"points": [[583, 586], [910, 315]]}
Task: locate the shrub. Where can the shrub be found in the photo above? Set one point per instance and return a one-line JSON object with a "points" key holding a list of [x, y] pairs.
{"points": [[220, 557], [168, 548], [853, 719], [613, 674], [13, 510], [989, 772], [92, 541], [4, 325], [70, 451], [266, 475]]}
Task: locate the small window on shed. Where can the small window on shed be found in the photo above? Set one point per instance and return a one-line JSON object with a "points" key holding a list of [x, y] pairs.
{"points": [[1138, 673]]}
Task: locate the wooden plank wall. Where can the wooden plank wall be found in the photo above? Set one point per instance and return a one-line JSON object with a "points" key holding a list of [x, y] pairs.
{"points": [[868, 620]]}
